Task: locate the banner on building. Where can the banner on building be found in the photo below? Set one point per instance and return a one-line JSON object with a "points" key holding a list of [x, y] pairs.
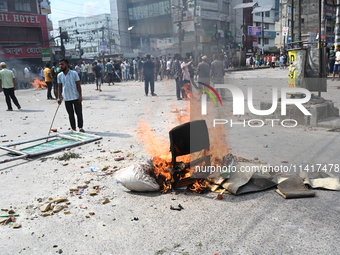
{"points": [[46, 55], [103, 46], [254, 31], [285, 31]]}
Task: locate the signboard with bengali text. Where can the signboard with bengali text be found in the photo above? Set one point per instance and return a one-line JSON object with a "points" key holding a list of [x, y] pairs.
{"points": [[24, 20]]}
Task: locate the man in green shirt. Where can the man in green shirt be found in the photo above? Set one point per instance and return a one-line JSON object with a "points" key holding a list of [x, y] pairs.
{"points": [[7, 82]]}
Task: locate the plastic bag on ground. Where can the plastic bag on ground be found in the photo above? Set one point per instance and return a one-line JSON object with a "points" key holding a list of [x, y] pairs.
{"points": [[137, 178]]}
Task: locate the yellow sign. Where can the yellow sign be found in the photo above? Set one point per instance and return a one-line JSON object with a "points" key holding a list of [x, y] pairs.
{"points": [[292, 69]]}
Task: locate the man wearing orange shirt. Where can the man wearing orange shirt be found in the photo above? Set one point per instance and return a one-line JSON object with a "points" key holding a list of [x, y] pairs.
{"points": [[48, 80]]}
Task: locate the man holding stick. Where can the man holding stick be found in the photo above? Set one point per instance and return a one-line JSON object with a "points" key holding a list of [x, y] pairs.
{"points": [[69, 90]]}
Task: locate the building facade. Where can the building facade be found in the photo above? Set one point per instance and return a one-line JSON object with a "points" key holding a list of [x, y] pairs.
{"points": [[169, 26], [24, 31], [309, 22], [88, 37], [269, 18]]}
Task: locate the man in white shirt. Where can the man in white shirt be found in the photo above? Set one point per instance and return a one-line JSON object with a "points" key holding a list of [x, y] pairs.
{"points": [[7, 82], [337, 62], [70, 91]]}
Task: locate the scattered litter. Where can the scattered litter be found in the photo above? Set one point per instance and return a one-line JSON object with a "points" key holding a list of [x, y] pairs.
{"points": [[105, 201], [179, 208], [137, 178], [47, 214], [294, 187], [93, 192], [58, 208], [119, 158], [45, 207], [16, 225], [95, 169], [9, 215], [91, 213], [60, 199]]}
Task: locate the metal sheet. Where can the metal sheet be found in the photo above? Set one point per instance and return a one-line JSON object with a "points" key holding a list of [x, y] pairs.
{"points": [[52, 143], [245, 5], [262, 9]]}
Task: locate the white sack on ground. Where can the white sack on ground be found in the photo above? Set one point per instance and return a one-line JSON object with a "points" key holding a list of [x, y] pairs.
{"points": [[137, 178]]}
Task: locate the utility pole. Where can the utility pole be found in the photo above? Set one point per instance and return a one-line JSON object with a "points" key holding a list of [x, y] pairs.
{"points": [[292, 24], [195, 24], [300, 30], [62, 44], [320, 49], [262, 34], [180, 13], [103, 42], [337, 26]]}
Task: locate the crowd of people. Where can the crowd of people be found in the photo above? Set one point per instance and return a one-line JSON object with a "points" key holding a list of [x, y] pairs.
{"points": [[271, 60]]}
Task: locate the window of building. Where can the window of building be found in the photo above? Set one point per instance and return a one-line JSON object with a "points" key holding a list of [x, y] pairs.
{"points": [[266, 41], [23, 5], [20, 35], [265, 25], [302, 20], [267, 14], [289, 9], [258, 14], [3, 6]]}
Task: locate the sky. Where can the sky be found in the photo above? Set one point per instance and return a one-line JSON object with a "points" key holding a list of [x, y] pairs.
{"points": [[64, 9]]}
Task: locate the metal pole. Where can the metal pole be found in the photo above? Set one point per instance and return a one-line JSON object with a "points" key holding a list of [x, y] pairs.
{"points": [[180, 30], [292, 23], [320, 48], [196, 41], [337, 27], [300, 30], [62, 44], [262, 33]]}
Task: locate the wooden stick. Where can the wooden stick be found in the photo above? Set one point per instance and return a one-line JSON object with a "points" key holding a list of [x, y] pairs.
{"points": [[55, 114]]}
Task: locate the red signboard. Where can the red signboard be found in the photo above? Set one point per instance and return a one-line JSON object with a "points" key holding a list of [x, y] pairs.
{"points": [[24, 20]]}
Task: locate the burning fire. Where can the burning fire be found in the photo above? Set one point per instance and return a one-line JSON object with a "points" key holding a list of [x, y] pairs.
{"points": [[157, 146], [38, 84]]}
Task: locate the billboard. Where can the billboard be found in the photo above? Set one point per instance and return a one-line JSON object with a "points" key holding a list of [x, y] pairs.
{"points": [[254, 31]]}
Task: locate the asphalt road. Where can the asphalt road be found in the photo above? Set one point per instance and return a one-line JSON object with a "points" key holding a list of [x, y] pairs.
{"points": [[136, 223]]}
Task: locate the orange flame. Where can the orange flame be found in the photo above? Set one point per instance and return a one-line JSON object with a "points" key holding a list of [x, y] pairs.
{"points": [[38, 84], [158, 147]]}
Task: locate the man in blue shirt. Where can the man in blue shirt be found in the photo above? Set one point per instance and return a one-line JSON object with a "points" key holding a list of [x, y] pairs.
{"points": [[69, 90]]}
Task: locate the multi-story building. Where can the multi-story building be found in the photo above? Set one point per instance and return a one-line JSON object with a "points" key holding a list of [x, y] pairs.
{"points": [[45, 9], [269, 18], [169, 26], [24, 32], [87, 36], [120, 25], [152, 26], [309, 22]]}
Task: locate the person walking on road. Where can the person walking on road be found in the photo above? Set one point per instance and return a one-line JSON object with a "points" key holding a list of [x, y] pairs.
{"points": [[109, 70], [7, 82], [337, 62], [48, 81], [203, 72], [217, 73], [97, 71], [69, 90], [148, 72]]}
